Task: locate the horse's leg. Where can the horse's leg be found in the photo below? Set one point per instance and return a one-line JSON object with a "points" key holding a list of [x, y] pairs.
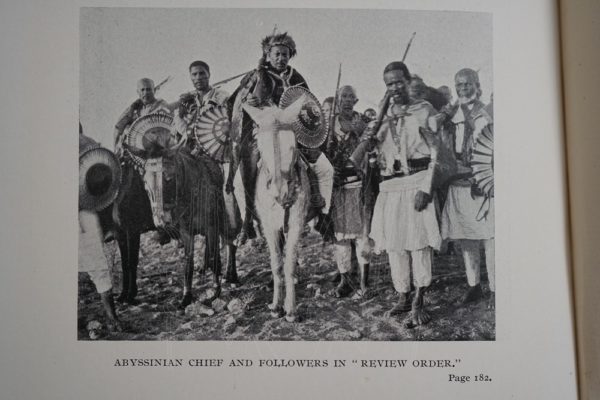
{"points": [[231, 276], [212, 259], [188, 272], [275, 244], [291, 257], [249, 175]]}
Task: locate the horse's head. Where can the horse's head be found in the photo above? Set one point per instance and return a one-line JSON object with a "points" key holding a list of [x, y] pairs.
{"points": [[158, 171], [276, 143]]}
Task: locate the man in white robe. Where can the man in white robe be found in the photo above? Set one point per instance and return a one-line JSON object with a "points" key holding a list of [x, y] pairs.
{"points": [[404, 219], [460, 220]]}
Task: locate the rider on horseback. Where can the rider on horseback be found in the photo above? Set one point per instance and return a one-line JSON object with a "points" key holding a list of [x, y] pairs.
{"points": [[263, 87], [146, 104]]}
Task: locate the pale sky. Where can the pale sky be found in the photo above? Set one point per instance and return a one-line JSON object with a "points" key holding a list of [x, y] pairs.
{"points": [[120, 45]]}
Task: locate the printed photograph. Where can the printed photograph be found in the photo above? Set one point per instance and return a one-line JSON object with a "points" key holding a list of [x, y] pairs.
{"points": [[286, 174]]}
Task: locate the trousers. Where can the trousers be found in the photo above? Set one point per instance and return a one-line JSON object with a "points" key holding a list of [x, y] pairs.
{"points": [[401, 264], [472, 259], [92, 258], [343, 253]]}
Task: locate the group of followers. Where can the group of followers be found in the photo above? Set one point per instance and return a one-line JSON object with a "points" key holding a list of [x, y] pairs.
{"points": [[403, 212]]}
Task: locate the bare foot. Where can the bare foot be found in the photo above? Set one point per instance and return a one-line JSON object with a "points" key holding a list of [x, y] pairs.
{"points": [[418, 315], [491, 303], [474, 293], [402, 306], [344, 288]]}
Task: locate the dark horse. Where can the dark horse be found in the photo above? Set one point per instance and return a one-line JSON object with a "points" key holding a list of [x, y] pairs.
{"points": [[196, 191]]}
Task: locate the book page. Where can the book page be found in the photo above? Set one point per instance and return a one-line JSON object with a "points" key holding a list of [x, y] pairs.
{"points": [[580, 34], [491, 317]]}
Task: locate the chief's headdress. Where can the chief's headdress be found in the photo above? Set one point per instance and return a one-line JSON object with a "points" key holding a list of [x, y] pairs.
{"points": [[279, 39]]}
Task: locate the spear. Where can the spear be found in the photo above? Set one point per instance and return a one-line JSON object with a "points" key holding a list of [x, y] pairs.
{"points": [[408, 46], [332, 112]]}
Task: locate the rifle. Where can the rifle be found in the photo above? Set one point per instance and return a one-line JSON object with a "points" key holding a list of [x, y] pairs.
{"points": [[157, 87], [367, 146], [224, 81], [332, 113], [408, 46]]}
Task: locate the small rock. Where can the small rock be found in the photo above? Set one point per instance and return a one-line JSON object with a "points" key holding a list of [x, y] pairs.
{"points": [[230, 324], [198, 308], [355, 334], [186, 326], [207, 294], [311, 285], [94, 329], [94, 325], [235, 306], [318, 292], [219, 305]]}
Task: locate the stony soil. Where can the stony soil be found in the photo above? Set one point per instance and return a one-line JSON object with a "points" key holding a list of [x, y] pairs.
{"points": [[241, 312]]}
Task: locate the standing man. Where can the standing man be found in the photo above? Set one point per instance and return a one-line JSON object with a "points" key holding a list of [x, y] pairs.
{"points": [[404, 219], [347, 211], [92, 258], [459, 218], [146, 104], [261, 87]]}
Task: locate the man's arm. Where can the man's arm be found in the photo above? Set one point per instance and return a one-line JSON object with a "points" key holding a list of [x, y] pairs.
{"points": [[122, 123]]}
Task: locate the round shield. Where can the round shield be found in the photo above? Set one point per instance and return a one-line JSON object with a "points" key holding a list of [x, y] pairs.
{"points": [[211, 131], [311, 125], [99, 179], [150, 132], [482, 161]]}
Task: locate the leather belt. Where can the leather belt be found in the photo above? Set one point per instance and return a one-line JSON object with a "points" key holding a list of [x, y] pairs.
{"points": [[414, 166]]}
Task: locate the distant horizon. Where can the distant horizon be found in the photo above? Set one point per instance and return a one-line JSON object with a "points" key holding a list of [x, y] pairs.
{"points": [[120, 45]]}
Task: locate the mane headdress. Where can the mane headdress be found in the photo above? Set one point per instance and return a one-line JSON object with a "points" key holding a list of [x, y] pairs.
{"points": [[279, 39]]}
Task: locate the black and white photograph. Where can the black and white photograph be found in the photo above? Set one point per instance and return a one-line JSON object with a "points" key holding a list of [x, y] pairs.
{"points": [[271, 174]]}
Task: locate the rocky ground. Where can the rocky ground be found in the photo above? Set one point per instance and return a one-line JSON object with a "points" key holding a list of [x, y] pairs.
{"points": [[241, 312]]}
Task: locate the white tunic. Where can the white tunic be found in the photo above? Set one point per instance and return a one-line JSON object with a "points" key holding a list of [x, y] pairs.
{"points": [[396, 225], [459, 218]]}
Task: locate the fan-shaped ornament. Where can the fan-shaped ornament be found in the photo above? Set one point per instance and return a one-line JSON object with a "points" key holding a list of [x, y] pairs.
{"points": [[311, 125], [211, 131], [482, 161], [99, 178], [150, 132]]}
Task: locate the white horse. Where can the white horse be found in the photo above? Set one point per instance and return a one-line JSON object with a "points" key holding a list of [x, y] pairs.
{"points": [[282, 198]]}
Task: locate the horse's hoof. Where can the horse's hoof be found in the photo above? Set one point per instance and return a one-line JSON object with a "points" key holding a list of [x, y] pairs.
{"points": [[186, 301], [132, 301], [363, 294], [290, 318], [276, 311], [231, 280]]}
